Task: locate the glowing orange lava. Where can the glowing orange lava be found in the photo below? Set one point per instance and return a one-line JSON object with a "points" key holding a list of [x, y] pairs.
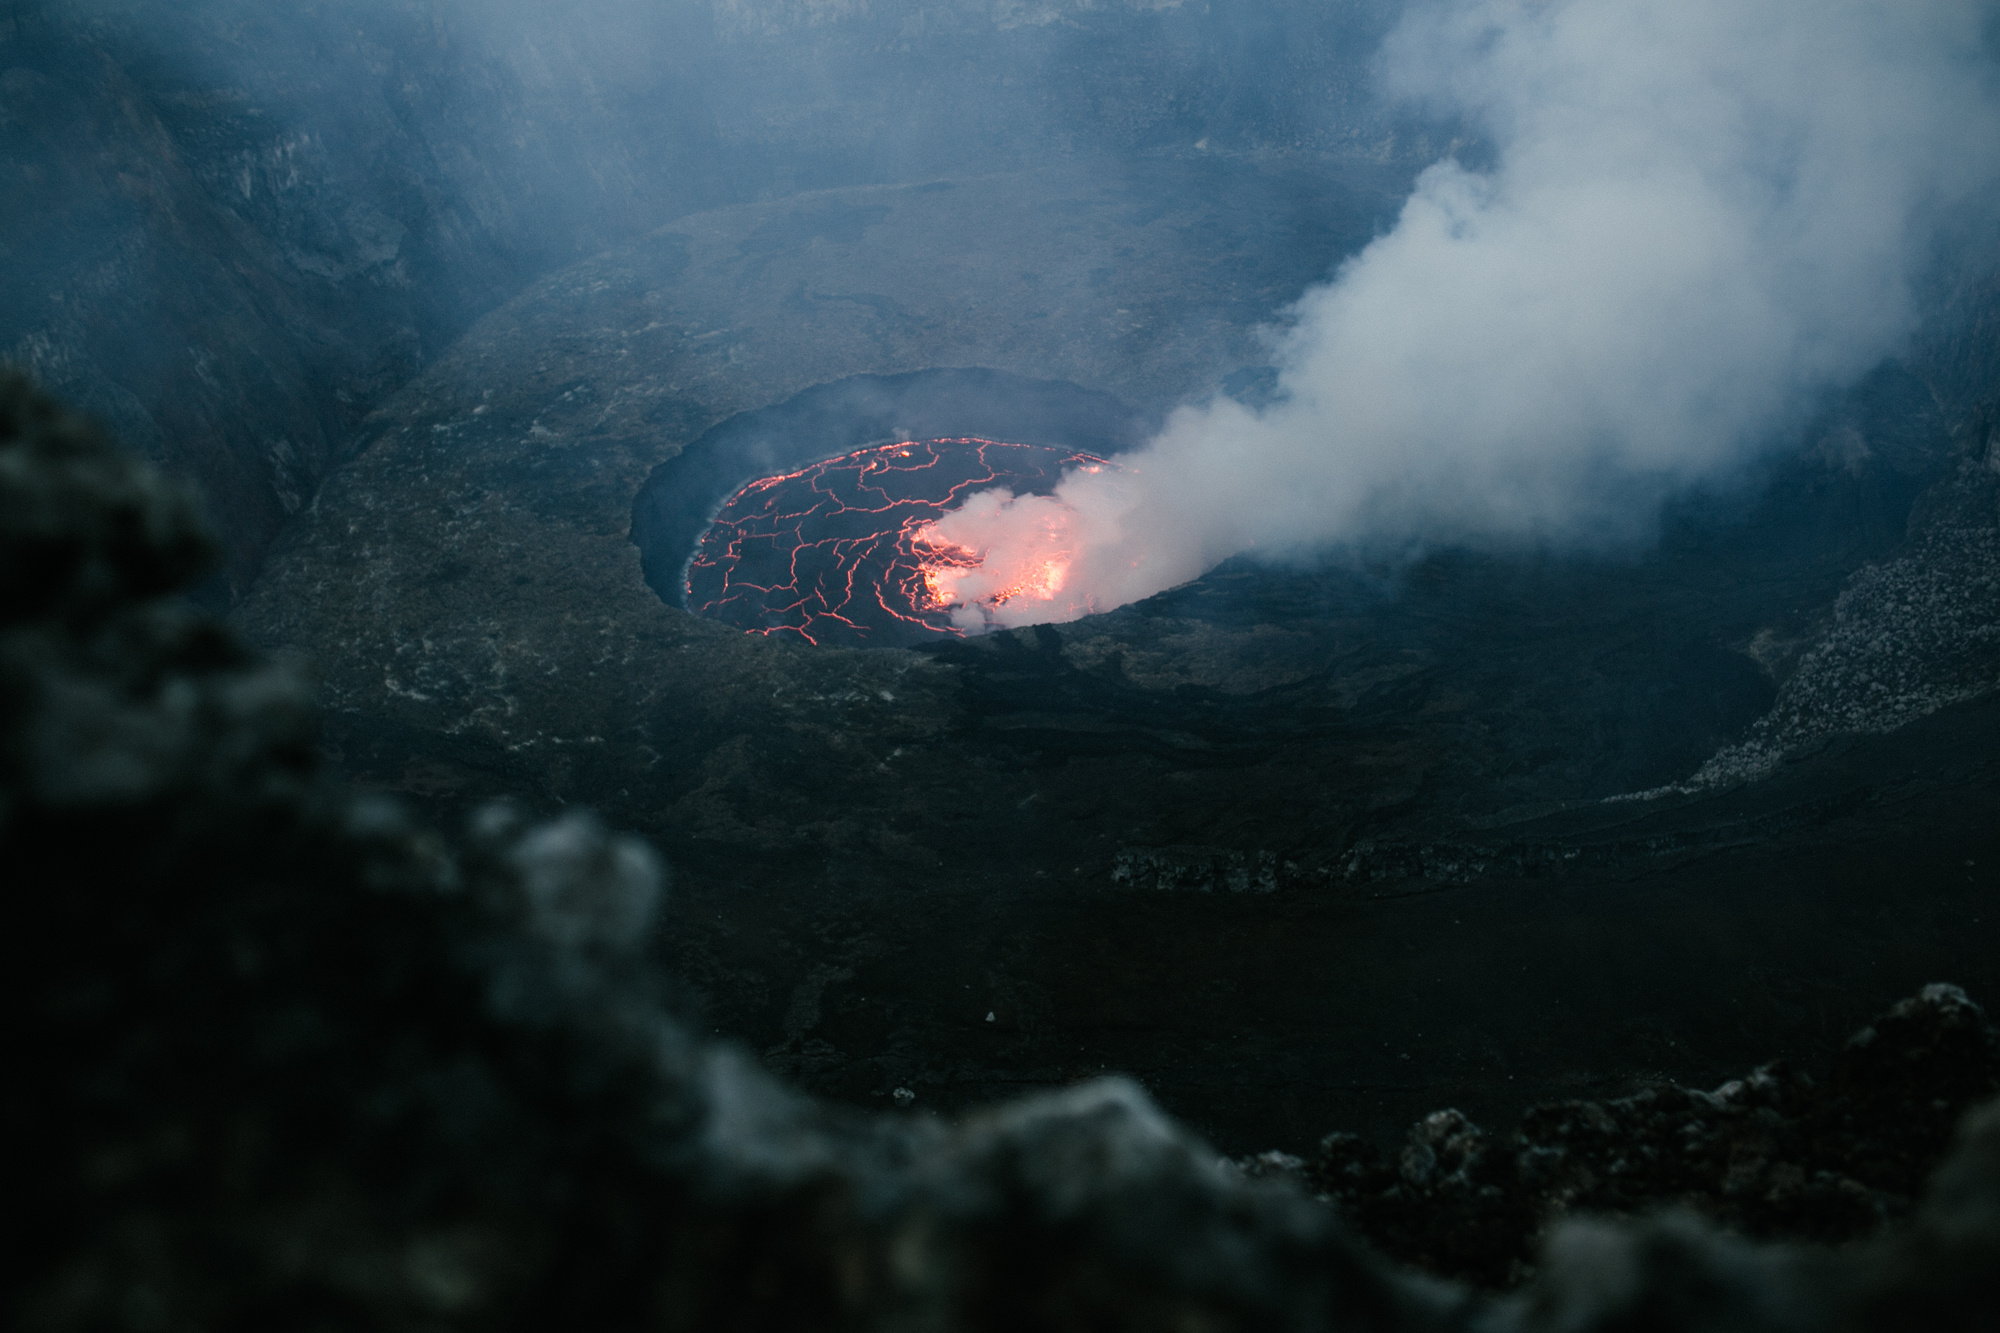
{"points": [[842, 552]]}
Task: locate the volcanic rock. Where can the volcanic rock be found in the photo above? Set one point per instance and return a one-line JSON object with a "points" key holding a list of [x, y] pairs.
{"points": [[289, 1057], [1777, 1154]]}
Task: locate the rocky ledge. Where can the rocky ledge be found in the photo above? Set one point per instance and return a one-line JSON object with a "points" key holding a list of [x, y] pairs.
{"points": [[1777, 1154]]}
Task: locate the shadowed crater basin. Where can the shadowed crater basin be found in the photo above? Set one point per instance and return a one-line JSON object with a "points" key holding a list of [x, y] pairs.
{"points": [[1297, 847]]}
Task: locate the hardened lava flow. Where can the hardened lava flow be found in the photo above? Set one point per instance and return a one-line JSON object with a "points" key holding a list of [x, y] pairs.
{"points": [[838, 553]]}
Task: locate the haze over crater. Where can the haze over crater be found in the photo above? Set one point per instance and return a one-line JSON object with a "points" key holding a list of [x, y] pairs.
{"points": [[1700, 218]]}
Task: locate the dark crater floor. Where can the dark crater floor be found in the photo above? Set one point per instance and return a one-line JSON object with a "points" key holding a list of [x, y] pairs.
{"points": [[1299, 848], [1341, 835]]}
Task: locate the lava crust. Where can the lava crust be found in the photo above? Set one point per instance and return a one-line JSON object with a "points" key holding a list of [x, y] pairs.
{"points": [[835, 552]]}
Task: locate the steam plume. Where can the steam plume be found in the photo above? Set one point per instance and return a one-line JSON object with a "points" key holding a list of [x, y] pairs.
{"points": [[1701, 216]]}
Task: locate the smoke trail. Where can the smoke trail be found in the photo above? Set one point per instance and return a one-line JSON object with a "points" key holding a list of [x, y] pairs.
{"points": [[1701, 216]]}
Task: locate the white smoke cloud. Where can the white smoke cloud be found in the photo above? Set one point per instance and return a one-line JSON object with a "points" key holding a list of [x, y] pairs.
{"points": [[1701, 215]]}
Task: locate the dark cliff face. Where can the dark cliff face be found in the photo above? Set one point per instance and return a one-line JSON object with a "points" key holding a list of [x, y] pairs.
{"points": [[232, 230], [235, 229]]}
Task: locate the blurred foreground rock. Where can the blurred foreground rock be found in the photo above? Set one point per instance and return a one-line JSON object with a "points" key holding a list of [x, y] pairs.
{"points": [[286, 1059]]}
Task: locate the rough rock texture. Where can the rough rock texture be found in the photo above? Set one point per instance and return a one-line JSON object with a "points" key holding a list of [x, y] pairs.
{"points": [[230, 233], [288, 1059], [1909, 636], [1776, 1154]]}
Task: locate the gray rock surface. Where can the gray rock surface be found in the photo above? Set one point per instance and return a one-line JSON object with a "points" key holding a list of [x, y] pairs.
{"points": [[1909, 636]]}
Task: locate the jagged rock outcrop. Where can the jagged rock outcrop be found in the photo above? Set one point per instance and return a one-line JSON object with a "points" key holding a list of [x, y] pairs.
{"points": [[1778, 1154], [1909, 635]]}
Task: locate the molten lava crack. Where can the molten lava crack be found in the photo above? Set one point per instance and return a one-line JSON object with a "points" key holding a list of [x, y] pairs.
{"points": [[837, 552]]}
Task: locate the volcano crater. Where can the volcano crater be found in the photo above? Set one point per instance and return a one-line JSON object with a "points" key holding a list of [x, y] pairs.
{"points": [[802, 519]]}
